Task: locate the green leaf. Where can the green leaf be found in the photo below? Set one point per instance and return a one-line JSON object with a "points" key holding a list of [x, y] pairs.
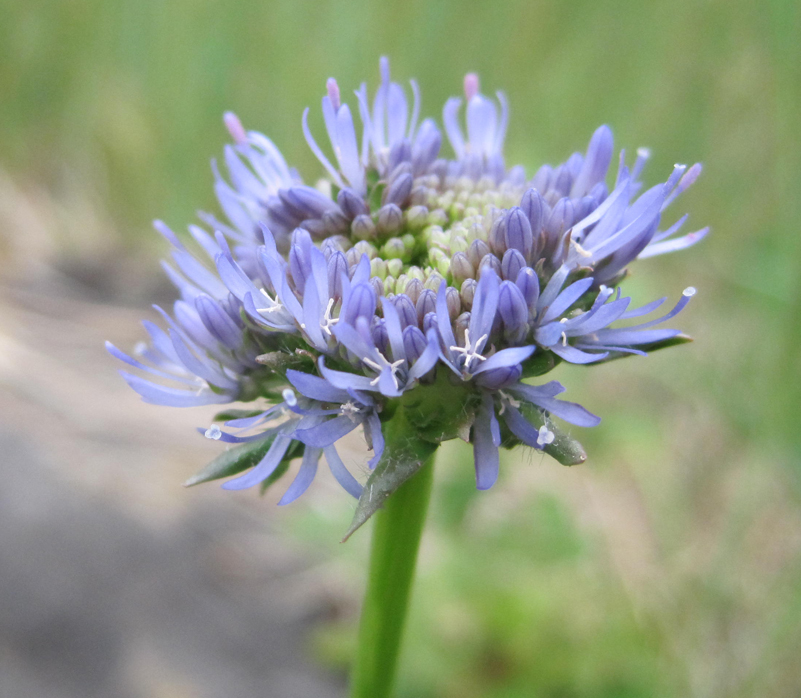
{"points": [[404, 454], [648, 348], [375, 196], [227, 415], [540, 363], [232, 461], [564, 448]]}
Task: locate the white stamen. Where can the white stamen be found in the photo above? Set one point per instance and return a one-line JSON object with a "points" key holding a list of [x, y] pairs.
{"points": [[564, 339], [140, 348], [289, 397], [351, 410], [507, 401], [328, 321], [545, 436], [470, 352], [689, 292], [580, 249], [394, 366], [213, 432]]}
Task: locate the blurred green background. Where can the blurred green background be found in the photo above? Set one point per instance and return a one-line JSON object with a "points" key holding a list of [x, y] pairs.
{"points": [[669, 564]]}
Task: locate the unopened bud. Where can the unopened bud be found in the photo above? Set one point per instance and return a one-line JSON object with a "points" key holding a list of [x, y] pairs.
{"points": [[364, 247], [414, 287], [393, 249], [390, 219], [476, 252], [363, 227], [416, 217], [489, 261], [378, 267], [468, 292], [454, 302], [460, 268], [394, 267]]}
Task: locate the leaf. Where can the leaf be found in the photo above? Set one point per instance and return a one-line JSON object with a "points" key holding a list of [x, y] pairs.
{"points": [[404, 454], [227, 415], [564, 448], [540, 363], [232, 461], [648, 348]]}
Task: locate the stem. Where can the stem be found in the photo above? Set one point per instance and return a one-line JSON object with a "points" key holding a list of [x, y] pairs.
{"points": [[396, 539]]}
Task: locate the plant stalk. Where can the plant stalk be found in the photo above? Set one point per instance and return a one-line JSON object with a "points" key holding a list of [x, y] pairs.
{"points": [[397, 530]]}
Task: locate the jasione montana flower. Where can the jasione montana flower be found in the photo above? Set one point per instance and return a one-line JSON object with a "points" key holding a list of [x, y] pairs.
{"points": [[406, 281]]}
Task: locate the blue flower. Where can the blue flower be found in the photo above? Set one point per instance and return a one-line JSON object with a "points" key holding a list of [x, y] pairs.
{"points": [[405, 281]]}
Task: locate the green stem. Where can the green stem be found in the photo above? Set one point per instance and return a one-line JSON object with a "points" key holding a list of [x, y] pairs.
{"points": [[396, 538]]}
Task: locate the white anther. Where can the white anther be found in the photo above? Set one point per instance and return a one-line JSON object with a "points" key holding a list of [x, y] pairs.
{"points": [[689, 292], [351, 410], [140, 348], [213, 432], [289, 397], [545, 436]]}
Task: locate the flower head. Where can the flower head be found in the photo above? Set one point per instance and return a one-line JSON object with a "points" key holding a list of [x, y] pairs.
{"points": [[408, 283]]}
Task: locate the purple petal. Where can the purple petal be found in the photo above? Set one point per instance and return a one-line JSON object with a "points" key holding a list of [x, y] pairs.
{"points": [[485, 446], [308, 469], [349, 483], [506, 357], [316, 388], [327, 433]]}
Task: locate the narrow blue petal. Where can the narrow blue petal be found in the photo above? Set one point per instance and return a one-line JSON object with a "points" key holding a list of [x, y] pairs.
{"points": [[485, 450], [327, 433], [349, 483], [506, 357], [315, 387], [305, 476]]}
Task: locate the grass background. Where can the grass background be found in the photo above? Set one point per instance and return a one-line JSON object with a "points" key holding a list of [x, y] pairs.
{"points": [[670, 564]]}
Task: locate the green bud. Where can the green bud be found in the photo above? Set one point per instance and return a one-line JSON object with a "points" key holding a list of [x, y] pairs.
{"points": [[409, 242], [434, 281], [393, 249], [389, 282], [459, 244], [438, 217], [378, 267], [415, 273], [416, 217], [394, 267], [364, 247]]}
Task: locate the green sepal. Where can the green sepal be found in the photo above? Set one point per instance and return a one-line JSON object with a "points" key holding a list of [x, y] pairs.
{"points": [[232, 461], [227, 415], [236, 460], [564, 448], [375, 196], [404, 454], [648, 348], [540, 363]]}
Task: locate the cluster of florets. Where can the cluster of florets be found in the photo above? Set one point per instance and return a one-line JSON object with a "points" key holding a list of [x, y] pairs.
{"points": [[402, 277]]}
